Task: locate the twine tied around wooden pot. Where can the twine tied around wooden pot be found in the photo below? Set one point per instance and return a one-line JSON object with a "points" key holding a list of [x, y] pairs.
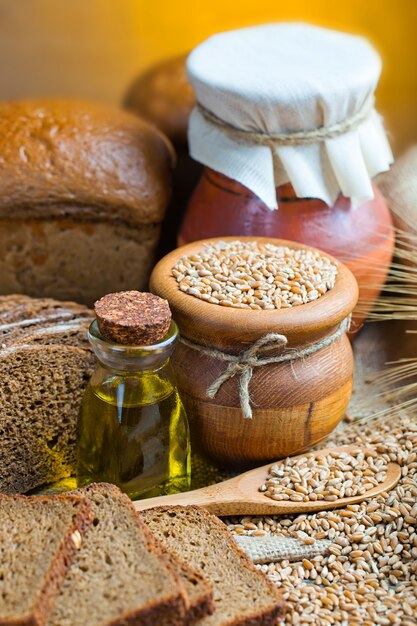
{"points": [[244, 363]]}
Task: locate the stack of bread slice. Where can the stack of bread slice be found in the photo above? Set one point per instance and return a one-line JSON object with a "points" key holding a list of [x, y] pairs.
{"points": [[38, 539], [242, 594], [89, 558], [45, 365]]}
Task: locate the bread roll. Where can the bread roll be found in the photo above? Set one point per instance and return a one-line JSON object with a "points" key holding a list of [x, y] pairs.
{"points": [[83, 191], [163, 96]]}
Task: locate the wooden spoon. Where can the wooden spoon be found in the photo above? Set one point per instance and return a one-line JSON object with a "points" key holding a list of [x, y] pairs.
{"points": [[241, 495]]}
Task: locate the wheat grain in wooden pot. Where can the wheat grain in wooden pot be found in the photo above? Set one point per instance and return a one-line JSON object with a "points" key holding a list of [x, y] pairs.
{"points": [[264, 365]]}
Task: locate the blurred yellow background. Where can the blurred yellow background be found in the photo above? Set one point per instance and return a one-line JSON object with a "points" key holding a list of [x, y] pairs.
{"points": [[94, 48]]}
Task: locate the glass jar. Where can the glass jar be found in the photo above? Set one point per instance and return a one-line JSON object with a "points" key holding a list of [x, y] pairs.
{"points": [[132, 429], [361, 237]]}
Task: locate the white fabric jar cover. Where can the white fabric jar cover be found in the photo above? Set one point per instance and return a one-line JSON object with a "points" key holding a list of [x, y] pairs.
{"points": [[283, 79]]}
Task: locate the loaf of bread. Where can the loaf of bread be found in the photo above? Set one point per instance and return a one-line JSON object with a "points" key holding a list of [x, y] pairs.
{"points": [[45, 364], [83, 191]]}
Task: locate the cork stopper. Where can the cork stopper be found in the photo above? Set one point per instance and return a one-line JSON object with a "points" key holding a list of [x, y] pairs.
{"points": [[133, 318]]}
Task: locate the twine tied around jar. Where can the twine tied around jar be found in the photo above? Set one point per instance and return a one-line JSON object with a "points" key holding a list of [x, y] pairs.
{"points": [[295, 138], [244, 363]]}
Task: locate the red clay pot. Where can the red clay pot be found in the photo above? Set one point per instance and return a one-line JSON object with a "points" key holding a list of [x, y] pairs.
{"points": [[362, 237]]}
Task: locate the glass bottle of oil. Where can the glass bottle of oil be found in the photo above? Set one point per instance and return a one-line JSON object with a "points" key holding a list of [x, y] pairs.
{"points": [[132, 429]]}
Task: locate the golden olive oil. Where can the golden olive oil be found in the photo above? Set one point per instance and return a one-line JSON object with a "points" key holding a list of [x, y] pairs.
{"points": [[133, 432]]}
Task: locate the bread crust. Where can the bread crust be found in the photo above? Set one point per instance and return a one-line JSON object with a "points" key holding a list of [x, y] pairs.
{"points": [[70, 154], [201, 606], [60, 564]]}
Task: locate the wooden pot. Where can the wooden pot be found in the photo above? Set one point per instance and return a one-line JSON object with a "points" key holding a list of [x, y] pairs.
{"points": [[295, 403], [361, 237]]}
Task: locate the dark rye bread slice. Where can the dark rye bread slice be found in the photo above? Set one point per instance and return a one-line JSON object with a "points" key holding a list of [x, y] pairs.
{"points": [[45, 365], [22, 317], [72, 333], [243, 596], [39, 536], [41, 388], [199, 594], [40, 393], [33, 306], [117, 577]]}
